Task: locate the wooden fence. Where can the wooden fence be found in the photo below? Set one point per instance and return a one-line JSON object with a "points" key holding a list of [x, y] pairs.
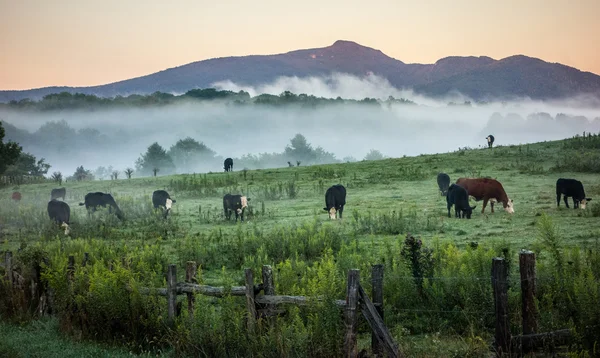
{"points": [[265, 305]]}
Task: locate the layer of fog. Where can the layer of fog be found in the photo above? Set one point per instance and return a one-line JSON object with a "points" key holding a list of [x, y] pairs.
{"points": [[345, 130]]}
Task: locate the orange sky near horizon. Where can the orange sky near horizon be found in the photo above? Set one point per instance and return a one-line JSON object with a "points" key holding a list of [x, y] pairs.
{"points": [[85, 43]]}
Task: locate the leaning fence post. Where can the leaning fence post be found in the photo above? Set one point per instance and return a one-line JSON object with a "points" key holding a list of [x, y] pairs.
{"points": [[351, 315], [171, 293], [500, 289], [190, 277], [250, 303], [268, 285], [377, 294], [528, 290], [8, 266]]}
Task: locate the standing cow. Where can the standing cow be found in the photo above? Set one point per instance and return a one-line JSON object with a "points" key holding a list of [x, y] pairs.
{"points": [[458, 196], [571, 188], [443, 181], [335, 199], [487, 189], [94, 200], [235, 203], [228, 165], [160, 198], [60, 212], [58, 193], [490, 141]]}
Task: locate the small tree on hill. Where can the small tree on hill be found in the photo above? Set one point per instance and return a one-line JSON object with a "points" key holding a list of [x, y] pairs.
{"points": [[300, 150], [155, 158], [9, 152], [374, 154], [115, 175], [57, 177], [186, 154], [82, 174], [128, 172], [27, 164]]}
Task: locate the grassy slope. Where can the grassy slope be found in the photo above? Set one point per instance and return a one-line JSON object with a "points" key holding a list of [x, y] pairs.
{"points": [[376, 186]]}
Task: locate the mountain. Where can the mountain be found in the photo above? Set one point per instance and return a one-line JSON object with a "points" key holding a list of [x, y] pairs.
{"points": [[481, 78]]}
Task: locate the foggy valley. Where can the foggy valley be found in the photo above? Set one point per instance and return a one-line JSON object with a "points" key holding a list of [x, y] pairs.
{"points": [[117, 137]]}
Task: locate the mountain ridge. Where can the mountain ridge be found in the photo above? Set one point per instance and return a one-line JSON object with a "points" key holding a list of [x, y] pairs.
{"points": [[478, 77]]}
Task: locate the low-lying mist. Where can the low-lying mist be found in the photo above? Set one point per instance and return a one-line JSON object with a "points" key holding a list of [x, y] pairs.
{"points": [[117, 138]]}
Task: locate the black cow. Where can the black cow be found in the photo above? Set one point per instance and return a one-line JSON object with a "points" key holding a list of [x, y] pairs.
{"points": [[458, 196], [58, 193], [490, 140], [572, 188], [335, 199], [443, 181], [228, 164], [161, 198], [94, 200], [235, 203], [60, 212]]}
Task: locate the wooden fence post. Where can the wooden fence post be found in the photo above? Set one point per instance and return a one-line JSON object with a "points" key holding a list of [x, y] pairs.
{"points": [[8, 266], [171, 293], [528, 291], [268, 286], [71, 269], [351, 316], [86, 258], [377, 294], [500, 290], [250, 303], [190, 277]]}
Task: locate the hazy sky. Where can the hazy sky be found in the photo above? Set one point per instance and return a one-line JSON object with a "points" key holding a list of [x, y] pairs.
{"points": [[81, 42]]}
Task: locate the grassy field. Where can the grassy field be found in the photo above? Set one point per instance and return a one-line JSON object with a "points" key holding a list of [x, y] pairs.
{"points": [[385, 200]]}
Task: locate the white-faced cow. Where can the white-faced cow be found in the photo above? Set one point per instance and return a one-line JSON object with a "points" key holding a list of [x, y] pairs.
{"points": [[490, 140], [162, 199], [228, 164], [60, 212], [58, 193], [443, 181], [458, 196], [235, 203], [571, 188], [487, 189], [94, 200], [335, 199]]}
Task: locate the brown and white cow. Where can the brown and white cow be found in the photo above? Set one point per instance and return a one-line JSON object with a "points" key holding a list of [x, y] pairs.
{"points": [[489, 190]]}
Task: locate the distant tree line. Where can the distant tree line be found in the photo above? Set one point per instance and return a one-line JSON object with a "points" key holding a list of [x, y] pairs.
{"points": [[69, 101]]}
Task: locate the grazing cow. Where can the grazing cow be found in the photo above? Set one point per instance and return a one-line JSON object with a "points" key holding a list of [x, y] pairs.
{"points": [[161, 198], [60, 212], [16, 196], [290, 164], [571, 188], [443, 181], [93, 200], [458, 196], [487, 189], [490, 140], [58, 193], [228, 165], [235, 203], [335, 199]]}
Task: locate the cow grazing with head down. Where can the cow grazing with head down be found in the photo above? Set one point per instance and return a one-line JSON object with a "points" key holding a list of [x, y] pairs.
{"points": [[16, 196], [335, 199], [235, 203], [94, 200], [58, 193], [571, 188], [443, 181], [228, 164], [60, 212], [489, 190], [458, 196], [160, 198], [490, 140]]}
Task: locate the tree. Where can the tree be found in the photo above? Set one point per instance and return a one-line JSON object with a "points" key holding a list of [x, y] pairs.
{"points": [[374, 154], [128, 172], [57, 177], [300, 149], [82, 174], [26, 164], [155, 158], [186, 154], [114, 175], [9, 152]]}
